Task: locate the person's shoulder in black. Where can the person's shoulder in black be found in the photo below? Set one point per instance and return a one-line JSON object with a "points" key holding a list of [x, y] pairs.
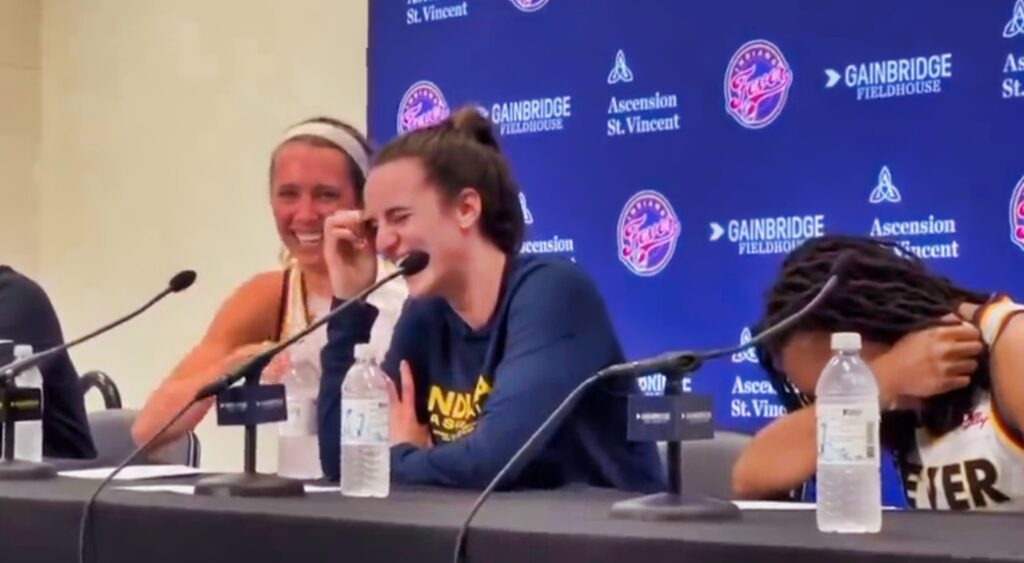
{"points": [[27, 317]]}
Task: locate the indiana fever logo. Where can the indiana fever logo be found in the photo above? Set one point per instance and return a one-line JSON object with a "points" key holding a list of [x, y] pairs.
{"points": [[756, 84], [529, 5], [1017, 215], [422, 105], [648, 230]]}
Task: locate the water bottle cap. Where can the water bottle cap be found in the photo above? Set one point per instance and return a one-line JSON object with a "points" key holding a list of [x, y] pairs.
{"points": [[365, 352], [22, 351], [846, 341]]}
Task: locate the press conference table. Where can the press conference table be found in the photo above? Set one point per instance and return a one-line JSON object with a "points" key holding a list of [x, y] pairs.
{"points": [[39, 522]]}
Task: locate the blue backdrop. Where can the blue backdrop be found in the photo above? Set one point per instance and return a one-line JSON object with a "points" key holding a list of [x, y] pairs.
{"points": [[677, 149]]}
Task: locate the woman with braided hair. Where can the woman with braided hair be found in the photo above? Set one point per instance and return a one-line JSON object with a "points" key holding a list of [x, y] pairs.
{"points": [[949, 363]]}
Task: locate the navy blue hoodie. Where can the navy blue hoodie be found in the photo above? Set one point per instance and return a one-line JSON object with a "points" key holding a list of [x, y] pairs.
{"points": [[484, 392]]}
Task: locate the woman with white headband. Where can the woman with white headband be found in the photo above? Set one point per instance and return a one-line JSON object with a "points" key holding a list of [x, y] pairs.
{"points": [[318, 168]]}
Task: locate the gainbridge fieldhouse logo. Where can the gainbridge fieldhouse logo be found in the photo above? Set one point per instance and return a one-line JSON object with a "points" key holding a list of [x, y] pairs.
{"points": [[531, 115], [529, 5], [422, 105], [892, 78], [757, 84], [768, 235], [1017, 215], [647, 233]]}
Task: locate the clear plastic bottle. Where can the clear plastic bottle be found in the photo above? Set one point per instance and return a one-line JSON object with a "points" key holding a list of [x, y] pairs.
{"points": [[849, 490], [365, 453], [298, 453], [28, 434]]}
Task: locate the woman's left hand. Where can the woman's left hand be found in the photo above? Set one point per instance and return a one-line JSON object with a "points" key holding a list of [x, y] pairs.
{"points": [[404, 426]]}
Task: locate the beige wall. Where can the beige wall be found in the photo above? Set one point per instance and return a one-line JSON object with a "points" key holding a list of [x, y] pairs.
{"points": [[19, 132], [157, 121]]}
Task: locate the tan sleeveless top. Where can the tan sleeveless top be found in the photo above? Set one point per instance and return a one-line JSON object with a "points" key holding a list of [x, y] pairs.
{"points": [[297, 309]]}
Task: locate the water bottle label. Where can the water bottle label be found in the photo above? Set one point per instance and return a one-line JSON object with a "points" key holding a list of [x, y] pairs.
{"points": [[364, 422], [847, 434], [301, 417]]}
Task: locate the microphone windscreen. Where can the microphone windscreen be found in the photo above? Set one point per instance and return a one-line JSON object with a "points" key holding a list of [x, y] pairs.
{"points": [[414, 262], [182, 281], [841, 265]]}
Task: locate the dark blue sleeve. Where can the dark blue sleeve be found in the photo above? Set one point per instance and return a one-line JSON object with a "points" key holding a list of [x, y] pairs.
{"points": [[348, 328], [558, 334], [344, 332]]}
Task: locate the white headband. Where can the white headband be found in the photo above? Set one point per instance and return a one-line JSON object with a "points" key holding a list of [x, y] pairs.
{"points": [[343, 139]]}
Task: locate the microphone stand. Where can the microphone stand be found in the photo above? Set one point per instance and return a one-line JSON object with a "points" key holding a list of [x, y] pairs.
{"points": [[249, 483], [673, 504], [29, 401]]}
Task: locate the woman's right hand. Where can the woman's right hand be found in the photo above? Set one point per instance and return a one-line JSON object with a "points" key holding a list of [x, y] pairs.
{"points": [[935, 360], [349, 253]]}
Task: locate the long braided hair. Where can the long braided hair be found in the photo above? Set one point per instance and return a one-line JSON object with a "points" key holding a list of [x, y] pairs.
{"points": [[884, 294]]}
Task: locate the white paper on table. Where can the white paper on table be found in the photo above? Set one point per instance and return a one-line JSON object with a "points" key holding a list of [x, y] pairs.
{"points": [[179, 489], [190, 489], [322, 489], [782, 505], [772, 505], [134, 472]]}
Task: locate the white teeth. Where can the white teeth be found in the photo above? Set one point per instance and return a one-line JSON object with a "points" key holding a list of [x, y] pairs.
{"points": [[309, 238]]}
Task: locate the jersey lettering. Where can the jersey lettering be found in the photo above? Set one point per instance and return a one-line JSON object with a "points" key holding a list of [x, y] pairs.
{"points": [[966, 485]]}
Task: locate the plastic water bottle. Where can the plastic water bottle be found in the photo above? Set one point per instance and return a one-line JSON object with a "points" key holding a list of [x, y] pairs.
{"points": [[298, 453], [28, 434], [849, 489], [365, 454]]}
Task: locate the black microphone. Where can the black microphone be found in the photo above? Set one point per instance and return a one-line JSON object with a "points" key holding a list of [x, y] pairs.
{"points": [[412, 264], [687, 361], [672, 362], [11, 468], [180, 282]]}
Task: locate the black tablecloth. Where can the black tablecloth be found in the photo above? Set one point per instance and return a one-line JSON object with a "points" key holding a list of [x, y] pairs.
{"points": [[39, 522]]}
